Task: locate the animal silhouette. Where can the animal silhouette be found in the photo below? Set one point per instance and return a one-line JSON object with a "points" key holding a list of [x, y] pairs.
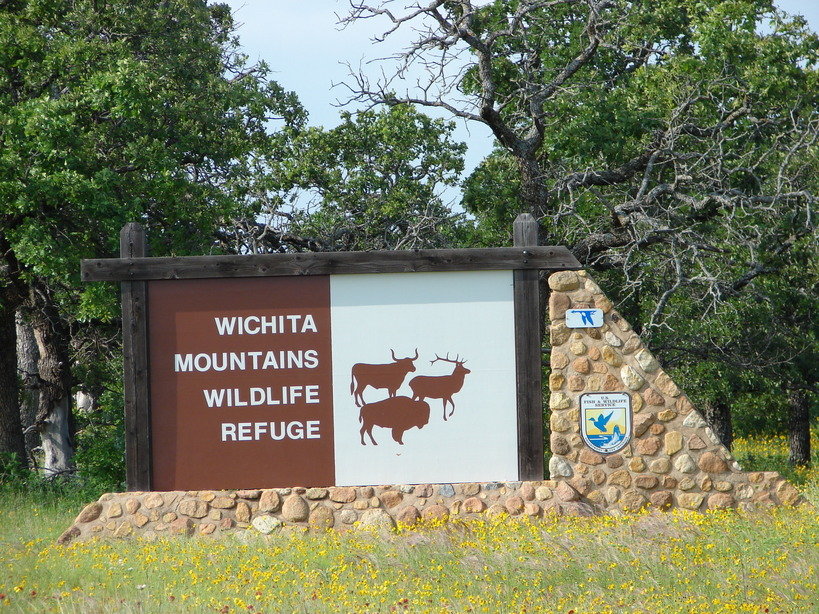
{"points": [[440, 386], [397, 413], [389, 376], [601, 421]]}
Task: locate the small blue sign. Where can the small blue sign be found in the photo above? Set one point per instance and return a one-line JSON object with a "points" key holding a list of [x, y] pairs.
{"points": [[584, 318]]}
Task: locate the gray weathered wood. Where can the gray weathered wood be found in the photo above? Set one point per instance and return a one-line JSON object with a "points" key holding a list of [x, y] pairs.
{"points": [[325, 263], [135, 348], [527, 357]]}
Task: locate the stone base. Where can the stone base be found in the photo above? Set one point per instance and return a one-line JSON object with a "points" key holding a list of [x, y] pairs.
{"points": [[149, 515], [153, 514]]}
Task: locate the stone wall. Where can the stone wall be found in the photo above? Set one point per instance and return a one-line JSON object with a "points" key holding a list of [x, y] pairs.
{"points": [[153, 514], [673, 459]]}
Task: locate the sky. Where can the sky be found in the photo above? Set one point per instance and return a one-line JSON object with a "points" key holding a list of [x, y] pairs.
{"points": [[307, 52]]}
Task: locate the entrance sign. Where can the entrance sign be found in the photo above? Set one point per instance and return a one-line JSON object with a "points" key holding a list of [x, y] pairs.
{"points": [[605, 419], [296, 380], [584, 318], [326, 369]]}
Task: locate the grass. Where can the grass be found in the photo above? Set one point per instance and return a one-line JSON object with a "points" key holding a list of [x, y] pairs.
{"points": [[676, 562]]}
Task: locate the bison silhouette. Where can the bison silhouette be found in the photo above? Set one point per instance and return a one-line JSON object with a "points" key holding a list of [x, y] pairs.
{"points": [[397, 413]]}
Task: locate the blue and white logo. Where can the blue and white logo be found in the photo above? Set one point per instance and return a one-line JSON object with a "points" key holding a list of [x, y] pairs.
{"points": [[605, 420]]}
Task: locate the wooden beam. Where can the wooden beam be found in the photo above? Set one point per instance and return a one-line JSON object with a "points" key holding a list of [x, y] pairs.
{"points": [[527, 357], [325, 263], [135, 349]]}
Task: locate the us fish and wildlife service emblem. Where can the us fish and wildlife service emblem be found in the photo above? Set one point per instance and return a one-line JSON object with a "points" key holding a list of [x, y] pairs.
{"points": [[605, 420]]}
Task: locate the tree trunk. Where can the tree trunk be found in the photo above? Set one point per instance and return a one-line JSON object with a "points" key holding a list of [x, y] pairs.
{"points": [[11, 431], [798, 427], [27, 356], [718, 415], [54, 417]]}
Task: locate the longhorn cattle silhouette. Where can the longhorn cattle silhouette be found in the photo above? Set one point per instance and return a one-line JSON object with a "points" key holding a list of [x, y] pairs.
{"points": [[440, 386], [389, 376], [397, 413]]}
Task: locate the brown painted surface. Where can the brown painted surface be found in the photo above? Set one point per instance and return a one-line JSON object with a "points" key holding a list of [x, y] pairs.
{"points": [[187, 448], [399, 414], [387, 376], [440, 386]]}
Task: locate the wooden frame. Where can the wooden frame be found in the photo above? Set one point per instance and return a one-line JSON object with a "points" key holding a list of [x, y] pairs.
{"points": [[133, 269]]}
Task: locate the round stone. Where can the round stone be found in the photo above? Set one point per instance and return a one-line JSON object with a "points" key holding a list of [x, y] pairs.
{"points": [[269, 501], [646, 482], [559, 334], [673, 442], [474, 505], [345, 494], [620, 478], [408, 515], [630, 378], [564, 281], [559, 467], [711, 463], [652, 397], [435, 513], [295, 509], [661, 499], [322, 518], [632, 501], [660, 465], [243, 512], [266, 524], [514, 505], [684, 464], [581, 365], [559, 400], [637, 464], [558, 423], [720, 501], [543, 493], [691, 501], [558, 304], [611, 356], [347, 516], [558, 444], [614, 461], [90, 512], [391, 498], [558, 360], [377, 519], [646, 361]]}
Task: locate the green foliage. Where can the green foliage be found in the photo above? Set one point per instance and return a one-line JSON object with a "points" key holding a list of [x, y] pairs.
{"points": [[374, 181], [123, 112]]}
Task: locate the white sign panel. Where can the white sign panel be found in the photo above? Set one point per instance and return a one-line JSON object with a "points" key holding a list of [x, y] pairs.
{"points": [[584, 318], [424, 377]]}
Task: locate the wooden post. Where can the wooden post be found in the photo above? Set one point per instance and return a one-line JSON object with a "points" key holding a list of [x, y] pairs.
{"points": [[135, 348], [528, 358]]}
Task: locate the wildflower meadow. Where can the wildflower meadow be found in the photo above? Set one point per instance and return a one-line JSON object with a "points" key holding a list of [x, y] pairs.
{"points": [[724, 561]]}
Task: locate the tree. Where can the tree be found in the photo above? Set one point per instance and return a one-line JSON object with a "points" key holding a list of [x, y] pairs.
{"points": [[115, 112], [672, 146], [372, 182]]}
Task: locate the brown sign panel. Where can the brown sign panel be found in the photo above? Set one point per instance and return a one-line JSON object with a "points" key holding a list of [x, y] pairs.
{"points": [[240, 383]]}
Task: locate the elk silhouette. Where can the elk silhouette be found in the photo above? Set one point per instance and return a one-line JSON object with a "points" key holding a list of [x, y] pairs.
{"points": [[440, 386], [397, 413], [389, 376]]}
